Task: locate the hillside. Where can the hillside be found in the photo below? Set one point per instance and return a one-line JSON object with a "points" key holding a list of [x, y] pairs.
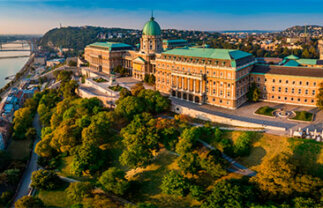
{"points": [[311, 30], [78, 37]]}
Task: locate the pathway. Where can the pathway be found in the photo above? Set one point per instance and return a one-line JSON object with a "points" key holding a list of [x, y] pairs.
{"points": [[24, 186]]}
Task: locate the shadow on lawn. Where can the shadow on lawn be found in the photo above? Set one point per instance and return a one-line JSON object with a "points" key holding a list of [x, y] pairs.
{"points": [[308, 153]]}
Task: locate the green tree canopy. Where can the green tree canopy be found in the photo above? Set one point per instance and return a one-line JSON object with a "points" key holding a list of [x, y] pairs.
{"points": [[114, 180]]}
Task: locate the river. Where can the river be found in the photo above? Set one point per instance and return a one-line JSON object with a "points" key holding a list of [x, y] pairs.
{"points": [[10, 66]]}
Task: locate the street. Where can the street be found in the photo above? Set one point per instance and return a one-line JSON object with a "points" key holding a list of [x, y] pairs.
{"points": [[32, 166]]}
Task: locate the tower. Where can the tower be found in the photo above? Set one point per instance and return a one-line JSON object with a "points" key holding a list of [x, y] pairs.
{"points": [[320, 47], [151, 40]]}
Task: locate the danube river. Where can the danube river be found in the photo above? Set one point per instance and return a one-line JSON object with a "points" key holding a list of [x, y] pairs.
{"points": [[10, 66]]}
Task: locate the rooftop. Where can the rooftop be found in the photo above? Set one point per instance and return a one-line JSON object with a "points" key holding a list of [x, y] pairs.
{"points": [[288, 71], [226, 54], [175, 41], [111, 45]]}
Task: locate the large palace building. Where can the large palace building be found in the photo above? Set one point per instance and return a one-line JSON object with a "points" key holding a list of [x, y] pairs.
{"points": [[218, 77]]}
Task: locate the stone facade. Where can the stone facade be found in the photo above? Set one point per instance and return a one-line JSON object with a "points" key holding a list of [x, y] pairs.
{"points": [[320, 47]]}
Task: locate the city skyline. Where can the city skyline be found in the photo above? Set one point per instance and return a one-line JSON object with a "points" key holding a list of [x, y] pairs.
{"points": [[39, 16]]}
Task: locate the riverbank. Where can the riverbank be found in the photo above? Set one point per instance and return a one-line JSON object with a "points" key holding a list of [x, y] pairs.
{"points": [[18, 77]]}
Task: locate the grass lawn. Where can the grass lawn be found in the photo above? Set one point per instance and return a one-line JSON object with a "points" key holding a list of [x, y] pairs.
{"points": [[99, 80], [56, 198], [265, 110], [116, 88], [20, 149], [303, 116], [265, 146], [149, 179], [310, 155]]}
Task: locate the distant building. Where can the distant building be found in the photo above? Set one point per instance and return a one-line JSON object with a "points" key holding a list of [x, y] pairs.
{"points": [[54, 62]]}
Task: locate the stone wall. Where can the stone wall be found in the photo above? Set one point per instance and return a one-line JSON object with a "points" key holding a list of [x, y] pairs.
{"points": [[219, 119]]}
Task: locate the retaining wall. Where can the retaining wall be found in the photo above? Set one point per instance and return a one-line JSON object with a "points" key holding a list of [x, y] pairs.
{"points": [[176, 108]]}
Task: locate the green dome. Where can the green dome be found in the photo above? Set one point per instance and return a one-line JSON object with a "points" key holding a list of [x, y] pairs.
{"points": [[151, 28]]}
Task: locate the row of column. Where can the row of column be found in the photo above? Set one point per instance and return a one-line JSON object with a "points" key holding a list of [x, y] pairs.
{"points": [[189, 84]]}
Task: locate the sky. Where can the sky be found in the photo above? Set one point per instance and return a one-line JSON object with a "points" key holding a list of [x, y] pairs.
{"points": [[39, 16]]}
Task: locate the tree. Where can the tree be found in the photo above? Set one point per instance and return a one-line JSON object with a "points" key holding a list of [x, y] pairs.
{"points": [[68, 88], [87, 159], [301, 202], [130, 106], [175, 184], [229, 193], [124, 92], [12, 176], [29, 202], [214, 164], [45, 179], [135, 90], [319, 97], [253, 93], [279, 177], [99, 201], [4, 159], [31, 133], [77, 191], [23, 118], [43, 148], [189, 163], [140, 138], [242, 145], [187, 140], [168, 131], [114, 180], [154, 101], [99, 131]]}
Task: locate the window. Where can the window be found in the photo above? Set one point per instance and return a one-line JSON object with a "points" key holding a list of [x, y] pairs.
{"points": [[312, 100], [285, 98], [272, 97], [314, 84], [293, 82], [273, 80], [280, 81], [229, 85], [214, 91], [299, 91], [213, 99], [305, 100], [258, 79], [300, 82], [292, 99], [265, 79], [307, 83], [313, 92], [278, 97], [293, 90], [279, 89], [286, 90], [298, 99], [264, 88], [228, 94], [286, 81], [306, 92], [273, 89]]}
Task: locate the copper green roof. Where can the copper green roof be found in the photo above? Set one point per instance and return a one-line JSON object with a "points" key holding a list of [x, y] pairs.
{"points": [[292, 57], [111, 45], [307, 61], [292, 63], [226, 54], [175, 41], [151, 28]]}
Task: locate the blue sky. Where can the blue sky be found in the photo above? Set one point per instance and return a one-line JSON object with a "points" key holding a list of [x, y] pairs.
{"points": [[38, 16]]}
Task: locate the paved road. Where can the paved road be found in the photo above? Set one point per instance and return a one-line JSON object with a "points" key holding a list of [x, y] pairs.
{"points": [[32, 166]]}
